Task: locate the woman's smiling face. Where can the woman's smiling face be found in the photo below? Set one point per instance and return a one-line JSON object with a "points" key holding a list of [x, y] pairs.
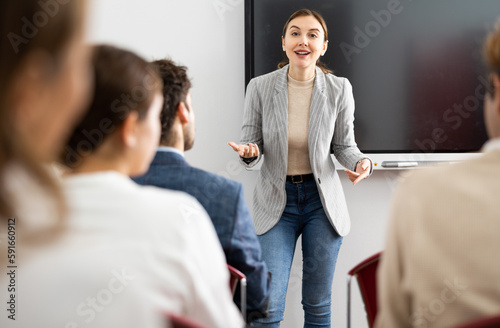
{"points": [[304, 42]]}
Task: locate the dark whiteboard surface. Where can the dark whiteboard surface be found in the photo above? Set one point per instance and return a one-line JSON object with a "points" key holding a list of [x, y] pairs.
{"points": [[416, 66]]}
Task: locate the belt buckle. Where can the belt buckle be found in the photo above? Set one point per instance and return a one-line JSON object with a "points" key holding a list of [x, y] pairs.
{"points": [[295, 182]]}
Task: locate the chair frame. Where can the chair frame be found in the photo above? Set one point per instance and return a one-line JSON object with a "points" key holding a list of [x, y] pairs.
{"points": [[236, 275], [374, 259]]}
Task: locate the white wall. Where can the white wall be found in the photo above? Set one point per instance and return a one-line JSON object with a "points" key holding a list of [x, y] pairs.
{"points": [[208, 37]]}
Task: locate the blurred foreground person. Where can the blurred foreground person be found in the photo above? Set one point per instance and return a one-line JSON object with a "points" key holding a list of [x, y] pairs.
{"points": [[44, 86], [440, 267]]}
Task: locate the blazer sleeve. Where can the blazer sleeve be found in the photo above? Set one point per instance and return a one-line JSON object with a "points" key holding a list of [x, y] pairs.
{"points": [[251, 130], [343, 144]]}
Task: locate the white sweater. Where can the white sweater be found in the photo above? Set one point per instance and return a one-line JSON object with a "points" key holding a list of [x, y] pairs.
{"points": [[129, 253]]}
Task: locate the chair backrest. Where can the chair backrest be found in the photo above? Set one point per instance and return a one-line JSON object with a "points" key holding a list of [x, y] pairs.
{"points": [[366, 276], [235, 277], [179, 321], [489, 322]]}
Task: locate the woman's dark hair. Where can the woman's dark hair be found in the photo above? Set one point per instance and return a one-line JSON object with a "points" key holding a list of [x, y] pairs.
{"points": [[26, 27], [123, 82], [321, 20], [176, 85]]}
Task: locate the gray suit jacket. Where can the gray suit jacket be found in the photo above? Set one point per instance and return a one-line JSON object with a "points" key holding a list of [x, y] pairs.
{"points": [[331, 131]]}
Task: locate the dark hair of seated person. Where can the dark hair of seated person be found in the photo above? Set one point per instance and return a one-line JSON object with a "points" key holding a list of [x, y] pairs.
{"points": [[124, 82]]}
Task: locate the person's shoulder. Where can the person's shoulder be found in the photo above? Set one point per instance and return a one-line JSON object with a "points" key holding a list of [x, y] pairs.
{"points": [[269, 75], [219, 178], [172, 212], [151, 194], [334, 78], [225, 185], [197, 175], [336, 82], [161, 202], [479, 170], [444, 178], [265, 79]]}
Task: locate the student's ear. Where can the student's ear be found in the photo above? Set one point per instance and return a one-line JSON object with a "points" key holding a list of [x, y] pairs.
{"points": [[283, 43], [183, 113], [129, 130], [325, 48]]}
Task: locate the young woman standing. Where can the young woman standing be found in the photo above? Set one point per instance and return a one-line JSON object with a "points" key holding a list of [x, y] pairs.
{"points": [[297, 116]]}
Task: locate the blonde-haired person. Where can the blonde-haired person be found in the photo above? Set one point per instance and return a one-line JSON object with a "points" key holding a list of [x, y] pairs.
{"points": [[45, 80], [297, 116], [44, 87], [440, 266], [52, 273]]}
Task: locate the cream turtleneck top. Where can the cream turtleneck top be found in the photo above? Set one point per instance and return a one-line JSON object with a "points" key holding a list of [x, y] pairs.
{"points": [[299, 105]]}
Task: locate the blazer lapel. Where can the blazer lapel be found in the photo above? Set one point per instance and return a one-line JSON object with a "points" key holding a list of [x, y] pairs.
{"points": [[280, 101], [318, 102]]}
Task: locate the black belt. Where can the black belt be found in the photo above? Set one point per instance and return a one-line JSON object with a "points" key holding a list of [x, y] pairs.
{"points": [[300, 178]]}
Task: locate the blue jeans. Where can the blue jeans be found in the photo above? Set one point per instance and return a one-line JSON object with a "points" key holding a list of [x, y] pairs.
{"points": [[304, 215]]}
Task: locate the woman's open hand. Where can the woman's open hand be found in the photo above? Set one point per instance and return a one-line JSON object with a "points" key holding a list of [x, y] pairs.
{"points": [[245, 151], [362, 171]]}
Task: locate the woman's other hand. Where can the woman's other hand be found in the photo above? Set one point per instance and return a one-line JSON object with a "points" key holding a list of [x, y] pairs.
{"points": [[362, 171], [245, 151]]}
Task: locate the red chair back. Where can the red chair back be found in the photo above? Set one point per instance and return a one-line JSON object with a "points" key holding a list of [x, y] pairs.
{"points": [[235, 277], [489, 322], [366, 276], [179, 321]]}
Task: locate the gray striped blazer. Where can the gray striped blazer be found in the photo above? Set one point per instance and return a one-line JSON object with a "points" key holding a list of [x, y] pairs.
{"points": [[331, 131]]}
